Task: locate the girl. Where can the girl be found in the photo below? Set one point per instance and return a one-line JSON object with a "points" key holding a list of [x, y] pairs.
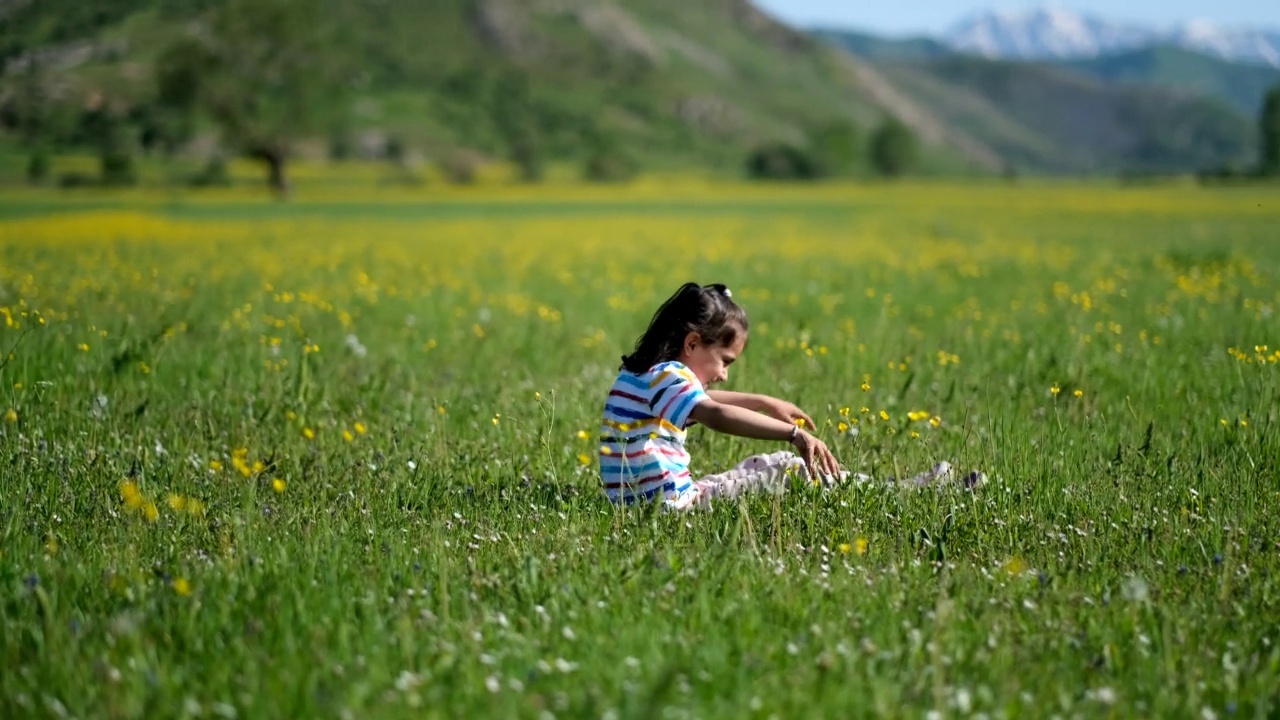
{"points": [[663, 387]]}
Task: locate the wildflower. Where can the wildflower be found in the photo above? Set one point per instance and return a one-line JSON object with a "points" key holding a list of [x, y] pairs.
{"points": [[606, 450], [860, 546], [176, 502], [215, 465], [1015, 566], [360, 428], [864, 410], [914, 434], [844, 412], [131, 495], [278, 485], [84, 347], [884, 415], [1054, 390], [1078, 393], [346, 435], [150, 511], [935, 421], [866, 386], [182, 586], [845, 548], [308, 433], [584, 458], [195, 508], [440, 409], [799, 422], [583, 435], [11, 416], [496, 417], [843, 427]]}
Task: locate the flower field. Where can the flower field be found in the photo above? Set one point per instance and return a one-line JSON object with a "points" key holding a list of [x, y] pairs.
{"points": [[334, 458]]}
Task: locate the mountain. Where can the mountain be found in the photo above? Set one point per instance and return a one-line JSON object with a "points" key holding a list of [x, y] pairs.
{"points": [[1042, 118], [673, 84], [1241, 85], [1057, 33], [875, 47]]}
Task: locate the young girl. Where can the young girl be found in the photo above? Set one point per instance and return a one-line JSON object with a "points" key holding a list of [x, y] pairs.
{"points": [[663, 387]]}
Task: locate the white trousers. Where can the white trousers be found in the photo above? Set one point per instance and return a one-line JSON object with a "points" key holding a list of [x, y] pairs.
{"points": [[774, 472]]}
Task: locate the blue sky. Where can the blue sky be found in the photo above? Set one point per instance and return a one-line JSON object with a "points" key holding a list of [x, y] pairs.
{"points": [[934, 16]]}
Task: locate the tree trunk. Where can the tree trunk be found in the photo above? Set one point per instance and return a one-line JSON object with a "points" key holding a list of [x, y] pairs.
{"points": [[275, 158]]}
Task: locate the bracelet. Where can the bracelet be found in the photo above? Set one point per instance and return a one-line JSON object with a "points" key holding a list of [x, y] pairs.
{"points": [[795, 430]]}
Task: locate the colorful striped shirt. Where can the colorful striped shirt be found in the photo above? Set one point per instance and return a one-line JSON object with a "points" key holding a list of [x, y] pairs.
{"points": [[642, 455]]}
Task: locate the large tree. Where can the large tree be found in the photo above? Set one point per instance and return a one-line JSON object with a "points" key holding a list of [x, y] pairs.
{"points": [[893, 148], [1269, 125], [267, 72]]}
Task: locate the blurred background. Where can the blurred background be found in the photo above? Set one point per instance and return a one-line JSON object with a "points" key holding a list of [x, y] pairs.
{"points": [[277, 93]]}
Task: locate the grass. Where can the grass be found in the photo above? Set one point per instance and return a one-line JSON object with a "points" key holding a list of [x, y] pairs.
{"points": [[334, 457]]}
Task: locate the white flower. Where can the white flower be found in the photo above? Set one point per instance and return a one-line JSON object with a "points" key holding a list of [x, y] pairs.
{"points": [[493, 683]]}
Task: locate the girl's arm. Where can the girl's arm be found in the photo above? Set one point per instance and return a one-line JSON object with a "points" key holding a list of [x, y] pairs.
{"points": [[742, 422], [771, 406]]}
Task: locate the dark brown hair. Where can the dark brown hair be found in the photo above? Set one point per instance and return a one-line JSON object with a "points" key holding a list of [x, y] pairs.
{"points": [[705, 309]]}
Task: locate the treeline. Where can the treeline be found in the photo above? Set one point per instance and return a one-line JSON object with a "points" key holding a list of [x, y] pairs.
{"points": [[838, 150]]}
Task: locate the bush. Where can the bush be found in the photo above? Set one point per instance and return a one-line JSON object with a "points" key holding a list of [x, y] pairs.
{"points": [[780, 161], [893, 148], [38, 167]]}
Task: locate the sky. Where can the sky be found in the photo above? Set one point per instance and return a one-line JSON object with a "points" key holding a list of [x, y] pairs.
{"points": [[904, 17]]}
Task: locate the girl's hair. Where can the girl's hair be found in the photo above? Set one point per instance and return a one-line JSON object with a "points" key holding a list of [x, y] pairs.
{"points": [[704, 309]]}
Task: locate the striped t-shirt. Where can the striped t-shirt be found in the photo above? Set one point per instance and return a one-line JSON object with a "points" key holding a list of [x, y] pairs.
{"points": [[642, 455]]}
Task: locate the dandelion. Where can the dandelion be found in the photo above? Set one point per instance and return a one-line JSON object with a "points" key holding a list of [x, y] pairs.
{"points": [[496, 418], [860, 546], [84, 347], [799, 422], [866, 386], [884, 415], [843, 427], [864, 410], [584, 458], [935, 421], [131, 495], [1078, 393], [845, 548], [182, 586], [1015, 566], [278, 485], [360, 428], [440, 409], [844, 412], [11, 416], [308, 433], [346, 435], [215, 465], [1054, 390], [150, 511], [583, 435], [176, 503]]}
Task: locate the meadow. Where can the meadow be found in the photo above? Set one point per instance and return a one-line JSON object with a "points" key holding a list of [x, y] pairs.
{"points": [[335, 457]]}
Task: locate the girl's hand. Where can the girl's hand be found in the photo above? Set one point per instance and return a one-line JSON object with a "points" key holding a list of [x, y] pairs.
{"points": [[817, 457], [786, 412]]}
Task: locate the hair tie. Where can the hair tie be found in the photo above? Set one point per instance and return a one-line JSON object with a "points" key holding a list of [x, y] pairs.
{"points": [[727, 293]]}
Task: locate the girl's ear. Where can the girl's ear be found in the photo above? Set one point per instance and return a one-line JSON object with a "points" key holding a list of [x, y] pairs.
{"points": [[691, 342]]}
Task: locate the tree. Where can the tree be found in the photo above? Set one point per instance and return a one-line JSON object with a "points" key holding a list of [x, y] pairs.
{"points": [[780, 161], [893, 148], [837, 147], [1269, 125], [268, 72]]}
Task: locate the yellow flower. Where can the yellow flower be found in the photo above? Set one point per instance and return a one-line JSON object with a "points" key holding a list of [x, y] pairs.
{"points": [[182, 586], [151, 512], [278, 485], [864, 410], [346, 435], [308, 433], [290, 415], [914, 434], [583, 435], [843, 427], [845, 548], [195, 508], [844, 412], [131, 495], [860, 546], [496, 418], [1078, 393], [799, 422], [84, 347], [11, 416], [177, 502], [866, 386], [935, 421], [1054, 390], [360, 428], [584, 458], [1015, 566], [440, 409], [606, 450], [884, 415]]}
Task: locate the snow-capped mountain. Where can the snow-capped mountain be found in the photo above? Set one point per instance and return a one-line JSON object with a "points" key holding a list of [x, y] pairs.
{"points": [[1056, 33]]}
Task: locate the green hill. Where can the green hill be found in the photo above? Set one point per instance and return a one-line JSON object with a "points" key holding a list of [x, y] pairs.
{"points": [[671, 84], [1239, 84]]}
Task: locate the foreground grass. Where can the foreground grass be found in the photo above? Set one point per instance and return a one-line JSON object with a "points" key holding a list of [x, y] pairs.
{"points": [[332, 458]]}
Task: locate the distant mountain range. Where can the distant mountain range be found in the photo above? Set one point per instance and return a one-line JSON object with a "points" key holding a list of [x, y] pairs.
{"points": [[1056, 33]]}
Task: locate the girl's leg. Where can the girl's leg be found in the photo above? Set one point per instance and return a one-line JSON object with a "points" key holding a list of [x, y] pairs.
{"points": [[758, 473]]}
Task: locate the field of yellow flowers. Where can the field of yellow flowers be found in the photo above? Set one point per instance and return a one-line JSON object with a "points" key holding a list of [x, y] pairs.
{"points": [[334, 457]]}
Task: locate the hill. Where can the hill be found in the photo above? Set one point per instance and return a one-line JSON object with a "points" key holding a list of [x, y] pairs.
{"points": [[670, 83], [1239, 84], [874, 47], [1044, 118]]}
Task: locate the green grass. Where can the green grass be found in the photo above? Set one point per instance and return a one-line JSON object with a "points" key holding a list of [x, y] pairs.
{"points": [[437, 548]]}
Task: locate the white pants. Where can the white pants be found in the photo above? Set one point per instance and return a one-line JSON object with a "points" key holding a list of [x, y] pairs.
{"points": [[773, 473]]}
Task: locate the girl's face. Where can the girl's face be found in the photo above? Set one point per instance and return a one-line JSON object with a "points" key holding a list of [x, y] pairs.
{"points": [[710, 363]]}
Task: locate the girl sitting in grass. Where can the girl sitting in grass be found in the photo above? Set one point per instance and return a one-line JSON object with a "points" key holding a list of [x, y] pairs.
{"points": [[664, 386]]}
